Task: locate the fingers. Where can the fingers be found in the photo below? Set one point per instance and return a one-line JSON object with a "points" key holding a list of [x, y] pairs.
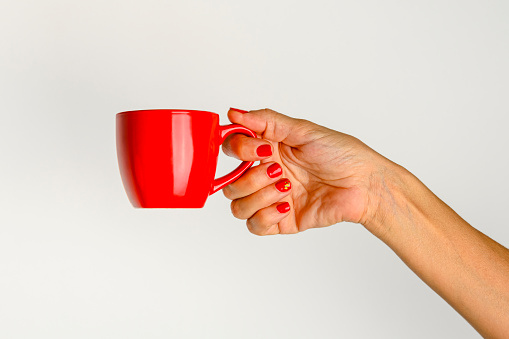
{"points": [[275, 126], [253, 180], [246, 207], [245, 148], [265, 221], [257, 196]]}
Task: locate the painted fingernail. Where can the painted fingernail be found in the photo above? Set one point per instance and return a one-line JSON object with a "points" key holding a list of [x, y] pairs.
{"points": [[264, 151], [238, 110], [283, 208], [274, 170], [283, 185]]}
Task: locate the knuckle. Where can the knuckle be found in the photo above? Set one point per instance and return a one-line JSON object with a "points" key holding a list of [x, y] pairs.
{"points": [[234, 146], [228, 192], [235, 208], [252, 228], [226, 146], [237, 146], [269, 114]]}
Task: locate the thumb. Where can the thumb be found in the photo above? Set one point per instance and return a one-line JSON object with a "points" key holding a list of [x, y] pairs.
{"points": [[274, 126]]}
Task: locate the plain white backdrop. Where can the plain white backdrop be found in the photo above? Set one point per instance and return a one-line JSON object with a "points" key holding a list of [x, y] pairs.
{"points": [[425, 83]]}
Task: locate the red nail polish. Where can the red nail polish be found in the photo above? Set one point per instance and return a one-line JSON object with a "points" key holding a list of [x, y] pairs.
{"points": [[264, 151], [283, 185], [274, 170], [283, 208], [238, 110]]}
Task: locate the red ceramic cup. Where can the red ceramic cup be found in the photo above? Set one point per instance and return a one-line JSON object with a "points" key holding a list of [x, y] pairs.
{"points": [[168, 157]]}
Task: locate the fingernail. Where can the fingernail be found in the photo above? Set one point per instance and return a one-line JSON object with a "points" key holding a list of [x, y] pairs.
{"points": [[238, 110], [283, 208], [264, 150], [283, 185], [274, 170]]}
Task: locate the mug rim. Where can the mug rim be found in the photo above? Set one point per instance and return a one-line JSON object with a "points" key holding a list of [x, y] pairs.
{"points": [[166, 110]]}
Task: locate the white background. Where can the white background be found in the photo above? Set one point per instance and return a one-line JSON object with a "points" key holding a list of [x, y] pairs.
{"points": [[425, 83]]}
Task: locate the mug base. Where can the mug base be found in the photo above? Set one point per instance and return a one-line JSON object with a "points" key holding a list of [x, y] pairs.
{"points": [[166, 208], [172, 206]]}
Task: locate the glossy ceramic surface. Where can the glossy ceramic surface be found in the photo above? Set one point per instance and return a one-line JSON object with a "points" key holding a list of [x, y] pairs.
{"points": [[168, 158]]}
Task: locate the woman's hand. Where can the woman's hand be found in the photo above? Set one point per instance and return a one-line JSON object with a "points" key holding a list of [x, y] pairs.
{"points": [[335, 177], [309, 176]]}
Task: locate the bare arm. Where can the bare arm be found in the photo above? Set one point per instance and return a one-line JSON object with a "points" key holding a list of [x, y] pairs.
{"points": [[464, 266]]}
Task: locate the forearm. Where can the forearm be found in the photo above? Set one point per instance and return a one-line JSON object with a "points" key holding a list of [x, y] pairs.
{"points": [[465, 267]]}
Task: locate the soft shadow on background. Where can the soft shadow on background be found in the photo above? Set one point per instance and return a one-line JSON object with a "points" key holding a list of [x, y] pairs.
{"points": [[425, 84]]}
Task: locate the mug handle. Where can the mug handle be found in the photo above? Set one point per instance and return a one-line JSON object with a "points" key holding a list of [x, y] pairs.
{"points": [[227, 179]]}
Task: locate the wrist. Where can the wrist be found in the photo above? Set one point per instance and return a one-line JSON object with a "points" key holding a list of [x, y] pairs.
{"points": [[389, 183]]}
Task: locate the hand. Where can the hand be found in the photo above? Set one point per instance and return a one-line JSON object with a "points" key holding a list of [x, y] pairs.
{"points": [[332, 175]]}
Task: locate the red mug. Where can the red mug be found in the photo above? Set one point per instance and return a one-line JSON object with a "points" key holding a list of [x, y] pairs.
{"points": [[168, 157]]}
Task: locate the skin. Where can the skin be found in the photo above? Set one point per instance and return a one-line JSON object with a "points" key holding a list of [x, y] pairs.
{"points": [[335, 178]]}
